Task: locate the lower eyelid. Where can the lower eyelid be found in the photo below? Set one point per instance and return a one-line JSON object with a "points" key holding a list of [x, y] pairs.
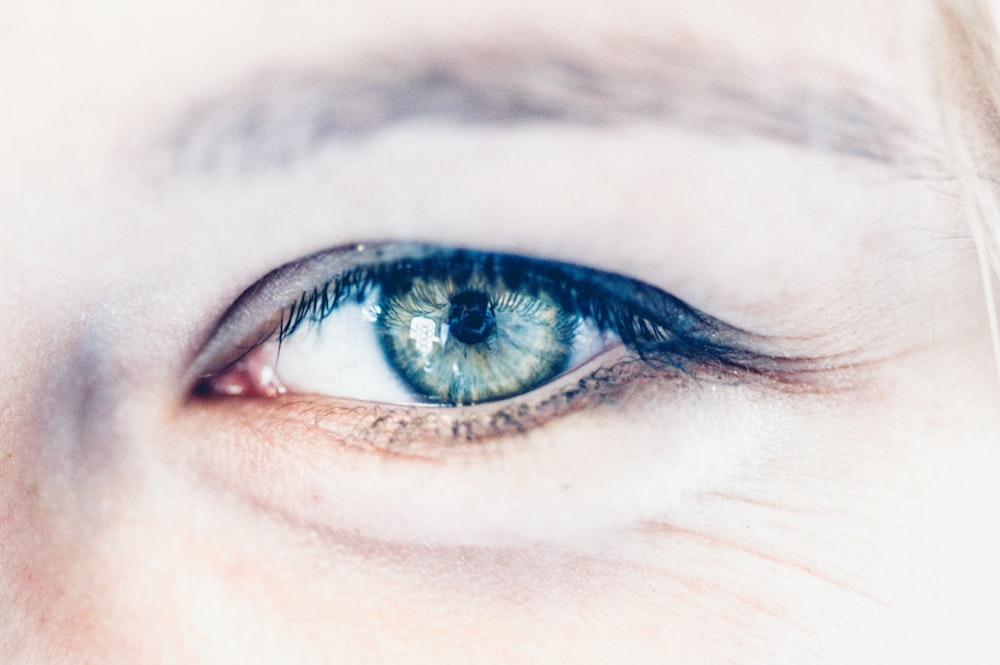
{"points": [[431, 432], [630, 430]]}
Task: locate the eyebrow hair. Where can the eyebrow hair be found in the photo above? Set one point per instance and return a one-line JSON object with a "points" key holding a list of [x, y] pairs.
{"points": [[281, 118]]}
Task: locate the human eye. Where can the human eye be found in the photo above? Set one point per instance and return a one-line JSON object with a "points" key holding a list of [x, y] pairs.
{"points": [[601, 400], [417, 324]]}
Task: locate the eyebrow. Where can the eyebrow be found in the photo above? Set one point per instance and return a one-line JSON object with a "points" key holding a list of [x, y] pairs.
{"points": [[283, 118]]}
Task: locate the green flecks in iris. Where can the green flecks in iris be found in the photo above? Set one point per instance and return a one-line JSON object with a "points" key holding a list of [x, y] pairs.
{"points": [[474, 340]]}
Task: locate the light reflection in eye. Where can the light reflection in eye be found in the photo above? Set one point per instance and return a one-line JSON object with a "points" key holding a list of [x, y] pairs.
{"points": [[406, 323]]}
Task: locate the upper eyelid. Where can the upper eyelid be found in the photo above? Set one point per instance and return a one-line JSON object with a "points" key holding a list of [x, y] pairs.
{"points": [[259, 303], [259, 308]]}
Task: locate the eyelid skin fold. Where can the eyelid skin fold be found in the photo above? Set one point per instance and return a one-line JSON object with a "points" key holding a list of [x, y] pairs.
{"points": [[257, 307]]}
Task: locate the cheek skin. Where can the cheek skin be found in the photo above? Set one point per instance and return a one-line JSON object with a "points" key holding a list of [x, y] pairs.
{"points": [[653, 588], [750, 570]]}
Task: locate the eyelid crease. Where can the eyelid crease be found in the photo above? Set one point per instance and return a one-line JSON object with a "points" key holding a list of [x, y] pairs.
{"points": [[257, 308]]}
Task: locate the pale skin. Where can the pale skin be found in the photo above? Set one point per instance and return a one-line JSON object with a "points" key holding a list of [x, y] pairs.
{"points": [[837, 515]]}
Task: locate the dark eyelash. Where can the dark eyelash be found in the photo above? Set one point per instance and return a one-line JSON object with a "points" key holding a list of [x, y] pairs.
{"points": [[658, 327], [315, 305]]}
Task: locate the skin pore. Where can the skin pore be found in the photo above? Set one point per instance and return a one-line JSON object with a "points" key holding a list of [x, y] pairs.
{"points": [[779, 167]]}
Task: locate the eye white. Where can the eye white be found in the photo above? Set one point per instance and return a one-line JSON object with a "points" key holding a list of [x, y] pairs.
{"points": [[341, 356]]}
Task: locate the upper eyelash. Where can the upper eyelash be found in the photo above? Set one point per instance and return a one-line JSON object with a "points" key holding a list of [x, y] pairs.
{"points": [[657, 326], [319, 302]]}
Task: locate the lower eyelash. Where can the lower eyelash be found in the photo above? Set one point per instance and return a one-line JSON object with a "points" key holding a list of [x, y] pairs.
{"points": [[429, 433]]}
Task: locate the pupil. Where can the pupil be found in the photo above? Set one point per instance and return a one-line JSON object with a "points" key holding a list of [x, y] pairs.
{"points": [[470, 317]]}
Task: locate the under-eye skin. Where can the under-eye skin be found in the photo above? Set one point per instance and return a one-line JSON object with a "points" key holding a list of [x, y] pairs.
{"points": [[355, 329]]}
